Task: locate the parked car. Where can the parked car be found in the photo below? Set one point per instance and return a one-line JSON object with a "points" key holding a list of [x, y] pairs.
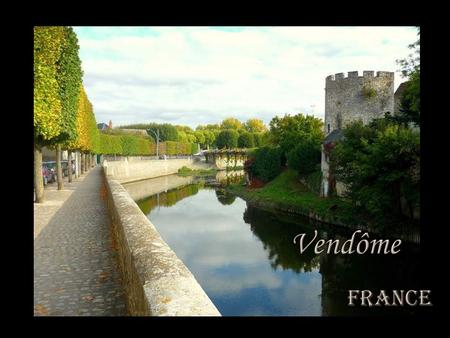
{"points": [[48, 174]]}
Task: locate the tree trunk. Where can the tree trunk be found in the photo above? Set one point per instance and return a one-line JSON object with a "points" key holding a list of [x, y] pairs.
{"points": [[81, 163], [85, 163], [69, 165], [38, 180], [75, 157], [58, 167]]}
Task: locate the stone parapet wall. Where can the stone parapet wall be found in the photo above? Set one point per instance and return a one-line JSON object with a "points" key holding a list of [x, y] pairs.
{"points": [[128, 171], [143, 189], [156, 281]]}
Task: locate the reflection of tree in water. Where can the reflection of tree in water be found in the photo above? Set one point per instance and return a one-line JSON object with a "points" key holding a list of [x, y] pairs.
{"points": [[225, 198], [168, 198], [277, 237], [340, 273]]}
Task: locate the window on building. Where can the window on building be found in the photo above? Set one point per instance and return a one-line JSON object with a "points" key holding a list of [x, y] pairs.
{"points": [[328, 128]]}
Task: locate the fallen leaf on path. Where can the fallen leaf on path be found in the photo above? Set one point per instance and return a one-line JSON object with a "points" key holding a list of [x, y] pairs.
{"points": [[103, 277], [88, 298], [40, 310]]}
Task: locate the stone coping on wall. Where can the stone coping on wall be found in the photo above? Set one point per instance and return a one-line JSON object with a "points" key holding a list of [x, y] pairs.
{"points": [[156, 281]]}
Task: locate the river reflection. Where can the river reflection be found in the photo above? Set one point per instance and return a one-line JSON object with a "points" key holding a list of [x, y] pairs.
{"points": [[247, 263]]}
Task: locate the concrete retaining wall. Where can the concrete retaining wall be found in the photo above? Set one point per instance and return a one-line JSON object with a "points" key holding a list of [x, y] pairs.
{"points": [[156, 281]]}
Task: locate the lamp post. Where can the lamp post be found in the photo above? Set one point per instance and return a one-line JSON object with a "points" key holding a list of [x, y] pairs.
{"points": [[157, 141]]}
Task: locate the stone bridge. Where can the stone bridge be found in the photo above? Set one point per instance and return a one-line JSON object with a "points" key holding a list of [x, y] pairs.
{"points": [[226, 158]]}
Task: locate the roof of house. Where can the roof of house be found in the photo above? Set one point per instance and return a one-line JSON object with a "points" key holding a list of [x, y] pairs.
{"points": [[102, 126], [334, 136], [401, 89]]}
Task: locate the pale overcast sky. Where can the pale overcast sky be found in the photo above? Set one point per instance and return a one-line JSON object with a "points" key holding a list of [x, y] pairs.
{"points": [[199, 75]]}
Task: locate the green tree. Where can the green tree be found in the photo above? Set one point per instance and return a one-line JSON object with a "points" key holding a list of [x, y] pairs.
{"points": [[410, 103], [246, 140], [227, 138], [305, 157], [289, 131], [231, 123], [255, 126], [265, 163], [167, 131], [210, 138], [200, 137], [380, 166], [57, 78]]}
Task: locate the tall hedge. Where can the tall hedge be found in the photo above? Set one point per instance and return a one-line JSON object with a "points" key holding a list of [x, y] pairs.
{"points": [[87, 134], [134, 145], [47, 117], [69, 77], [57, 79]]}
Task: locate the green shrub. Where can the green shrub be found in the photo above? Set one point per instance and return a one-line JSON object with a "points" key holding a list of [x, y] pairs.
{"points": [[258, 139], [369, 92], [246, 140], [266, 163], [305, 157]]}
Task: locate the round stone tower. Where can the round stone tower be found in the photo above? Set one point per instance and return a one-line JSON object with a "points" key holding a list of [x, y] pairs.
{"points": [[357, 98], [349, 99]]}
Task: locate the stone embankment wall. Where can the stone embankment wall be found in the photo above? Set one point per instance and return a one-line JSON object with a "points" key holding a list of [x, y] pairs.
{"points": [[131, 170], [143, 189], [156, 281]]}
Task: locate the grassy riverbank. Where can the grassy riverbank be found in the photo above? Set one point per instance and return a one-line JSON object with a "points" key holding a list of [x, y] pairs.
{"points": [[185, 171], [287, 193]]}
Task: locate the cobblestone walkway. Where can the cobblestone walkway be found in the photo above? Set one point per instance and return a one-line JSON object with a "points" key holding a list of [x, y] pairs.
{"points": [[75, 269]]}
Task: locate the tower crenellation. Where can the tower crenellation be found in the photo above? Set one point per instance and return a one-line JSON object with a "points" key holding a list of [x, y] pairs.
{"points": [[354, 97]]}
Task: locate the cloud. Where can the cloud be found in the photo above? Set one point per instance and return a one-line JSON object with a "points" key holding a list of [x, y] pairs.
{"points": [[199, 75]]}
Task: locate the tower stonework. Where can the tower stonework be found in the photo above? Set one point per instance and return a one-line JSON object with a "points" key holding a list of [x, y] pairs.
{"points": [[354, 97], [349, 99]]}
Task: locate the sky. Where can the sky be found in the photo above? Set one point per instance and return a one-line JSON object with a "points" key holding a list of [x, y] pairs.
{"points": [[199, 75]]}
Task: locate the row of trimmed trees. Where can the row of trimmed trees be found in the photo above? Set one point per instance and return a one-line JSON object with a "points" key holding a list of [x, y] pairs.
{"points": [[64, 117], [57, 93]]}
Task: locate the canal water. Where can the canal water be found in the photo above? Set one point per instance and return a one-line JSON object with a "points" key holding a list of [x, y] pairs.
{"points": [[247, 263]]}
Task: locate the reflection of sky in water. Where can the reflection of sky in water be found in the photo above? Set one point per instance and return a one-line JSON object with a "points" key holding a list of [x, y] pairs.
{"points": [[229, 261]]}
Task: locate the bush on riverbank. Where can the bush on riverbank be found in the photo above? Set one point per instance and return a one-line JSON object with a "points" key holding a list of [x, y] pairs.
{"points": [[305, 157], [185, 171], [264, 163], [286, 192]]}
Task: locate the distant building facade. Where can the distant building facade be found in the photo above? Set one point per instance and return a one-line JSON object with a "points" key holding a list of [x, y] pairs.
{"points": [[102, 126]]}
